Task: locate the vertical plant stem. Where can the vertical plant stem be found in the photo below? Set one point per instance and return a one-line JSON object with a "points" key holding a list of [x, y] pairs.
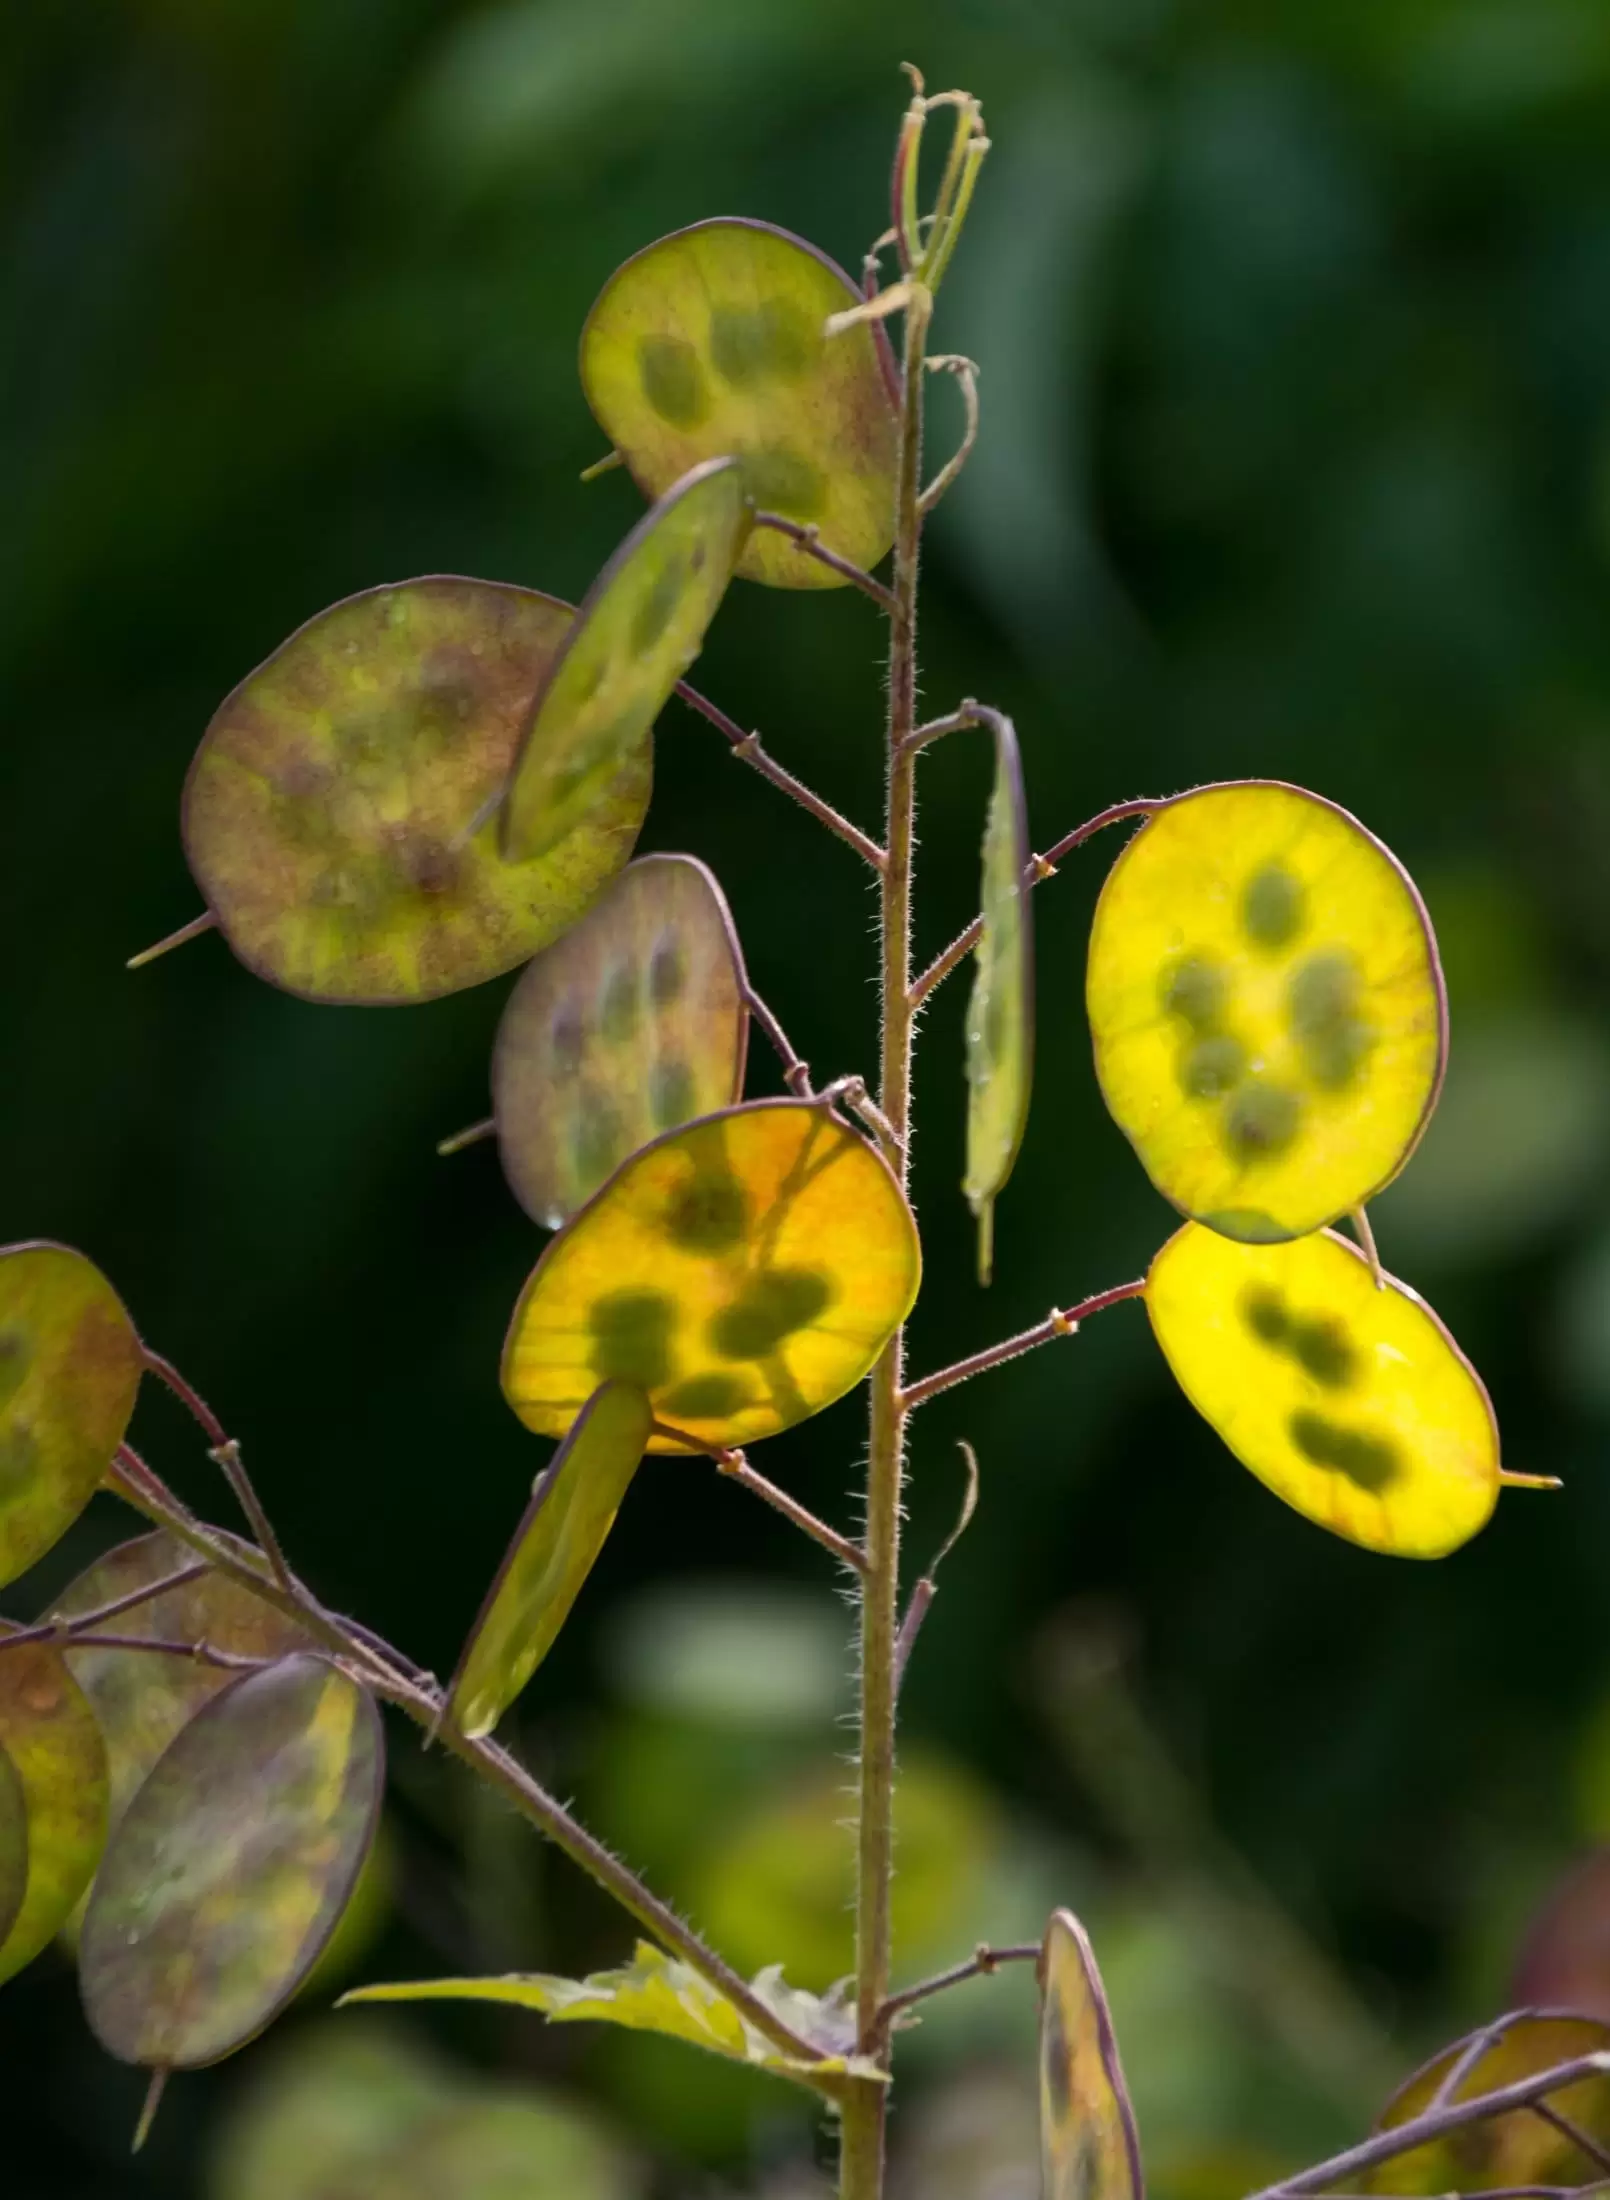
{"points": [[861, 2162]]}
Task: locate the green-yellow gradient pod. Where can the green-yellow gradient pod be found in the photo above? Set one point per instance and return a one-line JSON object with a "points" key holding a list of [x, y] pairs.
{"points": [[70, 1367], [711, 344], [1267, 1008], [743, 1271], [232, 1865], [632, 1023], [50, 1739], [13, 1846], [1089, 2149], [1523, 2148], [564, 1528], [1000, 1012], [1348, 1400], [636, 631], [338, 816]]}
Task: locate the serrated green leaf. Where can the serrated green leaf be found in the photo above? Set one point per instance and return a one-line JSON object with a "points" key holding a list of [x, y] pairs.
{"points": [[659, 1993]]}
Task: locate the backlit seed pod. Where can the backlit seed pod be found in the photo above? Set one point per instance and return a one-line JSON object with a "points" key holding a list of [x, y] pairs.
{"points": [[1267, 1008], [744, 1271], [1089, 2149], [49, 1737], [1349, 1401], [13, 1846], [636, 631], [1000, 1014], [564, 1528], [338, 816], [636, 1021], [70, 1367], [1523, 2148], [232, 1865], [712, 343], [142, 1701]]}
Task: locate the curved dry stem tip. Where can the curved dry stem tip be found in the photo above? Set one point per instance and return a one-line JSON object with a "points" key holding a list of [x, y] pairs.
{"points": [[897, 296], [206, 922], [964, 1518], [148, 2112], [918, 80], [604, 465], [470, 1137], [1366, 1238], [1510, 1481]]}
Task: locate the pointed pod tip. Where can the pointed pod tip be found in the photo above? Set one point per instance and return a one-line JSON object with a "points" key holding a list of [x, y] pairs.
{"points": [[148, 2112], [186, 932], [1510, 1481]]}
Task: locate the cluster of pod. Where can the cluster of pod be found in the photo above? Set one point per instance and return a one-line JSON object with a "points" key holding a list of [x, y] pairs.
{"points": [[433, 783], [1270, 1030], [188, 1790]]}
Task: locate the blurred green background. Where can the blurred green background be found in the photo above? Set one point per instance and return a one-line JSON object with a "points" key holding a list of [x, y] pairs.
{"points": [[1293, 321]]}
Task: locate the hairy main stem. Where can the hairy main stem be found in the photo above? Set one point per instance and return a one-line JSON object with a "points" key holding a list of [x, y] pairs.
{"points": [[861, 2162]]}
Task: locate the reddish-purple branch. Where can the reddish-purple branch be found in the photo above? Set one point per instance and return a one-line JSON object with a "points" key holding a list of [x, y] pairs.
{"points": [[1056, 1324]]}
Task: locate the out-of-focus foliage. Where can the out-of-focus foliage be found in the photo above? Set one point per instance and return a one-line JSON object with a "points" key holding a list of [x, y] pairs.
{"points": [[1294, 330]]}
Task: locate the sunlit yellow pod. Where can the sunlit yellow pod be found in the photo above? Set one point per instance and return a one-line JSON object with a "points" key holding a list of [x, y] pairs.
{"points": [[636, 631], [744, 1271], [1351, 1402], [339, 814], [563, 1529], [1089, 2147], [710, 344], [1267, 1008]]}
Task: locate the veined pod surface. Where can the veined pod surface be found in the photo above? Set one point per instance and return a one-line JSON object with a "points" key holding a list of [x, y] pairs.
{"points": [[634, 1022], [70, 1366], [49, 1737], [564, 1527], [1089, 2149], [636, 631], [1351, 1402], [1522, 2148], [1267, 1008], [743, 1271], [232, 1865], [142, 1701], [339, 814], [712, 343]]}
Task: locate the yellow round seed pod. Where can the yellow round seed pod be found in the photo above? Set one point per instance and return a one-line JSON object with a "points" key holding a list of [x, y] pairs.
{"points": [[1347, 1399], [1267, 1008]]}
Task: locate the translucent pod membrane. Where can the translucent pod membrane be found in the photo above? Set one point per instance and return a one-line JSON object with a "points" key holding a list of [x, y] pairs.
{"points": [[142, 1701], [338, 815], [1351, 1402], [1522, 2148], [636, 1021], [232, 1866], [70, 1366], [1000, 1014], [743, 1271], [564, 1528], [711, 343], [1089, 2149], [13, 1846], [1267, 1008], [636, 631], [52, 1746]]}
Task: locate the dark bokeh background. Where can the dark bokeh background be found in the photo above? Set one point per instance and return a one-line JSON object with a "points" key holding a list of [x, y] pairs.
{"points": [[1293, 318]]}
